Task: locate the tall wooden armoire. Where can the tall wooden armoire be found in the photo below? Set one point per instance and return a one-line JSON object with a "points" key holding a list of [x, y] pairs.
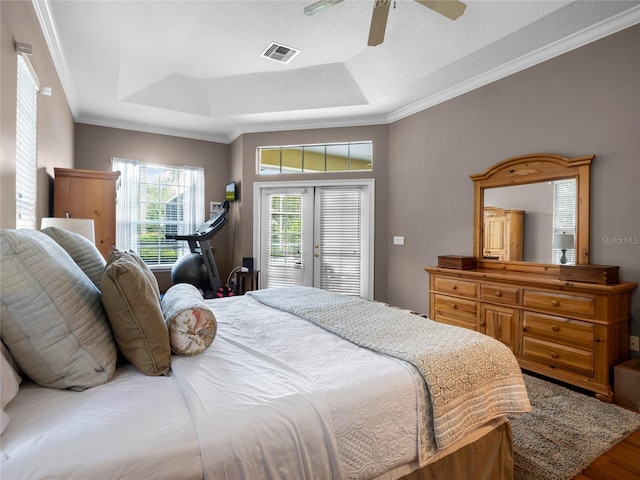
{"points": [[88, 194], [503, 234]]}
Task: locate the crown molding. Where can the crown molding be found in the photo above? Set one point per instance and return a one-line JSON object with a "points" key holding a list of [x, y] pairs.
{"points": [[308, 125], [50, 32], [136, 127], [579, 39]]}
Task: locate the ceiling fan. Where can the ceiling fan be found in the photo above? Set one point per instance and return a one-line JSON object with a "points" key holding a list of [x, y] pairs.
{"points": [[449, 8]]}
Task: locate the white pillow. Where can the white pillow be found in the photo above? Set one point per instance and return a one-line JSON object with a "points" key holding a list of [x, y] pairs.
{"points": [[9, 383], [53, 322]]}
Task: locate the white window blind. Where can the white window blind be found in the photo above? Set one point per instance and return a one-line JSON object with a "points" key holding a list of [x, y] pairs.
{"points": [[26, 146], [285, 240], [156, 200], [340, 238], [564, 215]]}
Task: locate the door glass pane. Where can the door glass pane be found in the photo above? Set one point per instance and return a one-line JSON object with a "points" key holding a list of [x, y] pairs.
{"points": [[285, 248]]}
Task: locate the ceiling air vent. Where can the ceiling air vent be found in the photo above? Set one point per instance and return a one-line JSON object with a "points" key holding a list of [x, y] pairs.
{"points": [[280, 53]]}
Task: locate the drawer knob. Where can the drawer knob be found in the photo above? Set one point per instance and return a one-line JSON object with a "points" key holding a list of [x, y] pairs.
{"points": [[454, 287], [454, 306], [555, 328], [555, 303], [554, 355], [498, 293]]}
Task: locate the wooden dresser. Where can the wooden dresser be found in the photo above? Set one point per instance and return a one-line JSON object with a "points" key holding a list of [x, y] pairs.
{"points": [[88, 194], [570, 331]]}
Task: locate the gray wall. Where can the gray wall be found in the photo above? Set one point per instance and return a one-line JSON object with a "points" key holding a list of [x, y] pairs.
{"points": [[55, 122], [584, 102], [96, 146]]}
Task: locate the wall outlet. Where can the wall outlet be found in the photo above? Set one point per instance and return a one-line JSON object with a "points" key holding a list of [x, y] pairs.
{"points": [[633, 343]]}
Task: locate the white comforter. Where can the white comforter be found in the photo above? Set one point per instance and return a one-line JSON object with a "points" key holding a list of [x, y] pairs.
{"points": [[357, 411], [282, 398], [274, 397]]}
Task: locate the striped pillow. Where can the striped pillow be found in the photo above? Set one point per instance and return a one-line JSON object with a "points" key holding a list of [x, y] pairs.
{"points": [[84, 253], [53, 322]]}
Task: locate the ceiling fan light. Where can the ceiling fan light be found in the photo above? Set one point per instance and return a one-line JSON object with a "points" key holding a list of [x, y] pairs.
{"points": [[319, 6]]}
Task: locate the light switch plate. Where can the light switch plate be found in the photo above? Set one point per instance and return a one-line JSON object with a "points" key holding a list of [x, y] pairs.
{"points": [[398, 240]]}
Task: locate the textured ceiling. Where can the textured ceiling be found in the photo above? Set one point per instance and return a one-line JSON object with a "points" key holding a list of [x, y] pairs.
{"points": [[194, 68]]}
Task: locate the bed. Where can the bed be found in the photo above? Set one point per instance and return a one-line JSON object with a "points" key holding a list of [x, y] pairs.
{"points": [[283, 391]]}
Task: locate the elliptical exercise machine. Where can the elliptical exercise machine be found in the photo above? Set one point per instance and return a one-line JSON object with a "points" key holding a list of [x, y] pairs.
{"points": [[199, 267]]}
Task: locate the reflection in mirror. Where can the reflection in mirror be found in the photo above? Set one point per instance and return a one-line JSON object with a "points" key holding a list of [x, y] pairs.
{"points": [[548, 216]]}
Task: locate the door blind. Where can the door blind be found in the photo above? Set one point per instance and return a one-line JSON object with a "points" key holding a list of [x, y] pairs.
{"points": [[26, 147], [340, 239], [284, 241]]}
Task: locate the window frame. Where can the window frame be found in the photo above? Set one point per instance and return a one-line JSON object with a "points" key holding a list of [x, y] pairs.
{"points": [[131, 206]]}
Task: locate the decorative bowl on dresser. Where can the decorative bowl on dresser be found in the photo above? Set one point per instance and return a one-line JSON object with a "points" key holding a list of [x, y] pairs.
{"points": [[570, 323]]}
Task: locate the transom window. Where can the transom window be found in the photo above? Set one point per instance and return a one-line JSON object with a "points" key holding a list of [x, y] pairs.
{"points": [[153, 201], [328, 157]]}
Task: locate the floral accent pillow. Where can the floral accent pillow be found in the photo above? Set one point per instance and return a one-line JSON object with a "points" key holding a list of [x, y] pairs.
{"points": [[192, 326]]}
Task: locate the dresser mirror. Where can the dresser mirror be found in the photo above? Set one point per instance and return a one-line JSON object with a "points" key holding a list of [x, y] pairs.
{"points": [[515, 226]]}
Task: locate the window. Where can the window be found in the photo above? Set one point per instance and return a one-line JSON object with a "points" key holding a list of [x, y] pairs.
{"points": [[564, 219], [26, 146], [154, 201], [331, 157]]}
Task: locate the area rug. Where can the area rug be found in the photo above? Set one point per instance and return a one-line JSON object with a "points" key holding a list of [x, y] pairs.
{"points": [[565, 431]]}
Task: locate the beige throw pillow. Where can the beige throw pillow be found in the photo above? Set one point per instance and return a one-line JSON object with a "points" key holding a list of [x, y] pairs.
{"points": [[114, 254], [133, 309]]}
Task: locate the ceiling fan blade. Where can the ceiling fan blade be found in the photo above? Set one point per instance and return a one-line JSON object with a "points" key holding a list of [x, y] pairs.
{"points": [[319, 6], [449, 8], [378, 22]]}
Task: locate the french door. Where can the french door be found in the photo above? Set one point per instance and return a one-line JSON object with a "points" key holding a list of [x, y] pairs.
{"points": [[316, 235]]}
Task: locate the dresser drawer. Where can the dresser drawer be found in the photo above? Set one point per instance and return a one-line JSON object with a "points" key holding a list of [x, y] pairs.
{"points": [[500, 293], [458, 322], [456, 287], [570, 332], [559, 303], [558, 356], [456, 307]]}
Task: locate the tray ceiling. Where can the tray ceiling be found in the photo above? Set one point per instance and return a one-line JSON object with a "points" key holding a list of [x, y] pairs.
{"points": [[196, 68]]}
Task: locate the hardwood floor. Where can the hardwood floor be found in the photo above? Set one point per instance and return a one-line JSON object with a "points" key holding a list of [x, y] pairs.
{"points": [[622, 462]]}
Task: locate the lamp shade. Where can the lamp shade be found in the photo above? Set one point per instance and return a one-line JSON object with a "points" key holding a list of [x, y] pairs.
{"points": [[82, 226], [563, 241]]}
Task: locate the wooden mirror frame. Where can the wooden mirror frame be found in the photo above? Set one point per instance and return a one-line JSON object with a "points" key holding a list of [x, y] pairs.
{"points": [[534, 168]]}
